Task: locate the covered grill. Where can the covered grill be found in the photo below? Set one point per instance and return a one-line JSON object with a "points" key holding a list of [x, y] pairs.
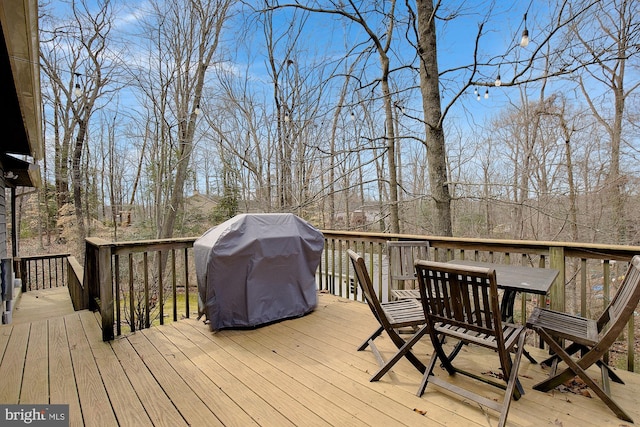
{"points": [[257, 268]]}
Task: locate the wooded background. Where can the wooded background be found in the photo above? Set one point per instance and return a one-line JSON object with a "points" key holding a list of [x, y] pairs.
{"points": [[358, 115]]}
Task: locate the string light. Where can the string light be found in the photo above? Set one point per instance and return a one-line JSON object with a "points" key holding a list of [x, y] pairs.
{"points": [[486, 94], [524, 42], [77, 90], [197, 110], [498, 82]]}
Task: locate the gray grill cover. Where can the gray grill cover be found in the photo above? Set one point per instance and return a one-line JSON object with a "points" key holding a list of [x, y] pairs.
{"points": [[257, 268]]}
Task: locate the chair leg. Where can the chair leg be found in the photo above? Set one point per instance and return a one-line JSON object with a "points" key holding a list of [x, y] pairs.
{"points": [[456, 350], [575, 369], [427, 373], [513, 384], [614, 377], [553, 360], [570, 349], [373, 336], [404, 351], [526, 354], [574, 348]]}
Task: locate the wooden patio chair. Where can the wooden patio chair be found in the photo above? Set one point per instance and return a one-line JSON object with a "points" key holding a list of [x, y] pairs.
{"points": [[391, 316], [402, 256], [592, 338], [462, 302]]}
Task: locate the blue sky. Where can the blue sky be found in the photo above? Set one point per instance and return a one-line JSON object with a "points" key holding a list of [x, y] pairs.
{"points": [[455, 41], [325, 36]]}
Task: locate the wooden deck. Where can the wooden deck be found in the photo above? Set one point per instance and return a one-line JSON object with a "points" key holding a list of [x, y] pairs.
{"points": [[303, 372]]}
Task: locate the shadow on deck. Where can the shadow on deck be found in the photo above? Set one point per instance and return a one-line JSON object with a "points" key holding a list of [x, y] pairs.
{"points": [[304, 371]]}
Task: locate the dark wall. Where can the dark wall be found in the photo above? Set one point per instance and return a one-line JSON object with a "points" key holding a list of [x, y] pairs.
{"points": [[3, 215]]}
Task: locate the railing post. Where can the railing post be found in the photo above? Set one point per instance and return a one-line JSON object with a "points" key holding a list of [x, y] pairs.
{"points": [[105, 280], [557, 291], [98, 282], [22, 273]]}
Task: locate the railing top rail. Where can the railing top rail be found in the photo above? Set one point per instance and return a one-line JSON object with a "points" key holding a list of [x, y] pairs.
{"points": [[123, 248], [97, 241], [572, 249], [39, 257]]}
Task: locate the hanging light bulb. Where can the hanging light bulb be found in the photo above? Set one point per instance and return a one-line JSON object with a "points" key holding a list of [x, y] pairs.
{"points": [[77, 91], [475, 91], [478, 96], [197, 110], [498, 81], [486, 94], [524, 41]]}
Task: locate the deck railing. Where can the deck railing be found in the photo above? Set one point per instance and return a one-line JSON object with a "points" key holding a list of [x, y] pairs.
{"points": [[50, 271], [42, 271], [137, 284]]}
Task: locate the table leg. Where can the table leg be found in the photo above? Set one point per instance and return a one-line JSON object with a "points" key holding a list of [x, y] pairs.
{"points": [[506, 311], [506, 307]]}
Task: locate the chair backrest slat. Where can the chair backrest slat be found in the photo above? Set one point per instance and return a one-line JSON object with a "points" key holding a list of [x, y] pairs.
{"points": [[402, 256], [366, 286], [620, 309], [466, 297]]}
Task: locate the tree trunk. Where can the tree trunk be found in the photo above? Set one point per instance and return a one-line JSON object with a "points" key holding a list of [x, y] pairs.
{"points": [[391, 147], [177, 192], [434, 134], [76, 177]]}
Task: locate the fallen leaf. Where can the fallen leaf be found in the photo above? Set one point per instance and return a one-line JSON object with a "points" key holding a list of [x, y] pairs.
{"points": [[494, 374], [420, 411], [576, 386]]}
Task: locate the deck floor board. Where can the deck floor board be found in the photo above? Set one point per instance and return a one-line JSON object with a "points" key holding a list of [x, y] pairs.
{"points": [[303, 371], [158, 406], [171, 343], [232, 368], [125, 402], [62, 383], [35, 381], [12, 366], [94, 399]]}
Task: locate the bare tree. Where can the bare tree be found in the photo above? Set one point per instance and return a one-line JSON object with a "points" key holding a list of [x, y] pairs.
{"points": [[186, 38], [610, 38], [382, 42], [79, 48]]}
